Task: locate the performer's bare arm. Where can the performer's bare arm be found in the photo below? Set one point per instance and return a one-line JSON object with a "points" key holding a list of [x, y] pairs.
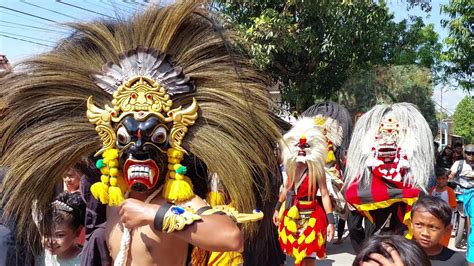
{"points": [[326, 203], [281, 198], [213, 232]]}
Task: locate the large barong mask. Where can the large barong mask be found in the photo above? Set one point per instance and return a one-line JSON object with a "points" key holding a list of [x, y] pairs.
{"points": [[142, 124]]}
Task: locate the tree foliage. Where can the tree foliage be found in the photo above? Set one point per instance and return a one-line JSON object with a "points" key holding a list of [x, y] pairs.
{"points": [[391, 84], [460, 42], [309, 46], [464, 119], [312, 48]]}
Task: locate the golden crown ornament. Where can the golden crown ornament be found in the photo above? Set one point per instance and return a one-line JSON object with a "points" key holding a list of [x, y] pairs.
{"points": [[142, 85]]}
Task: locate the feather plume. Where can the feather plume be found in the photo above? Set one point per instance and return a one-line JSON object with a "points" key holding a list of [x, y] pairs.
{"points": [[44, 128]]}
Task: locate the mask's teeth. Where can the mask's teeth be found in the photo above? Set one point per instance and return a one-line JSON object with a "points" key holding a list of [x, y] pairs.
{"points": [[151, 176]]}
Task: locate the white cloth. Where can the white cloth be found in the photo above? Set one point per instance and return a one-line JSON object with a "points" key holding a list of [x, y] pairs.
{"points": [[466, 176], [465, 171], [441, 194], [48, 259]]}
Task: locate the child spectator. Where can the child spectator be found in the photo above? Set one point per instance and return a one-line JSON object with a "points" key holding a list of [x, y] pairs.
{"points": [[431, 221], [442, 191], [68, 212], [391, 250], [72, 180]]}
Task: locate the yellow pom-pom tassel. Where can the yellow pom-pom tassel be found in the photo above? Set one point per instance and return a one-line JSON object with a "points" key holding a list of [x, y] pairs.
{"points": [[293, 213], [113, 163], [100, 191], [110, 154], [113, 171], [215, 198], [104, 179], [173, 160], [174, 153], [104, 170], [178, 190], [115, 196], [330, 157]]}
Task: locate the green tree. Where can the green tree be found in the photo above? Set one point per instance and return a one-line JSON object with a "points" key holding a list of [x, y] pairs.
{"points": [[460, 42], [464, 119], [391, 84], [312, 48], [413, 42]]}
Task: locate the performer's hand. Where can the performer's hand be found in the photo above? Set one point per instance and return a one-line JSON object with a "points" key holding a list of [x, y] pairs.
{"points": [[330, 230], [378, 259], [135, 213], [276, 221]]}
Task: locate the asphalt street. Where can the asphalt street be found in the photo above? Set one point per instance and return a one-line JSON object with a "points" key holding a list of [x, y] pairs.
{"points": [[343, 255]]}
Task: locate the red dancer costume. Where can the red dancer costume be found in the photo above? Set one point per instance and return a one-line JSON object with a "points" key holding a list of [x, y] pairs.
{"points": [[302, 223], [389, 162]]}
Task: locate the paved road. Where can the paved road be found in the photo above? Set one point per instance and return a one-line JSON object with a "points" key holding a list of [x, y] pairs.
{"points": [[338, 255], [343, 255]]}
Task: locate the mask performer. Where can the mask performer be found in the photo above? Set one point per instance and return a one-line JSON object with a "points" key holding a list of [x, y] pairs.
{"points": [[162, 101], [339, 119], [302, 223], [389, 162]]}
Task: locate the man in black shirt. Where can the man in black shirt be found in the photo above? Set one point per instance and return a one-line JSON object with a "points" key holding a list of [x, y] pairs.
{"points": [[431, 221]]}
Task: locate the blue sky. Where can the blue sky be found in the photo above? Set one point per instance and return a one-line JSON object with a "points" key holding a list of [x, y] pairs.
{"points": [[46, 32]]}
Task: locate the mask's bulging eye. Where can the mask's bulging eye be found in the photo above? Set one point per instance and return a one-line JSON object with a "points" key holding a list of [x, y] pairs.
{"points": [[123, 138], [159, 135]]}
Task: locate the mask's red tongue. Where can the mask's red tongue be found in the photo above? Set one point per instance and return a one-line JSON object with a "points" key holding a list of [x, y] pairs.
{"points": [[144, 172]]}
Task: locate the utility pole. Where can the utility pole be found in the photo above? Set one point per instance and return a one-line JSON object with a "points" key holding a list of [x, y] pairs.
{"points": [[441, 119]]}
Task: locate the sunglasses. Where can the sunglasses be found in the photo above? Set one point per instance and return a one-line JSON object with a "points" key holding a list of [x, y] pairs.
{"points": [[469, 153]]}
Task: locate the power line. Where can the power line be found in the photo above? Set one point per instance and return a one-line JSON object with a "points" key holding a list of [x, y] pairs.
{"points": [[34, 27], [85, 9], [24, 18], [23, 40], [115, 9], [50, 10], [23, 36], [113, 2], [24, 28], [116, 5], [130, 4], [28, 14]]}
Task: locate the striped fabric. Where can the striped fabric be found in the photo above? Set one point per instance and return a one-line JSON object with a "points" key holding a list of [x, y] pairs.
{"points": [[382, 193]]}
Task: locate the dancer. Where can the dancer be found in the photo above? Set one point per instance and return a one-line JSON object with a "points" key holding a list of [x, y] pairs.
{"points": [[335, 161], [302, 224], [169, 101], [389, 162]]}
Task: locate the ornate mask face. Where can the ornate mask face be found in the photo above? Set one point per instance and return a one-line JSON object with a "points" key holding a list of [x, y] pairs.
{"points": [[387, 138], [303, 142], [142, 124]]}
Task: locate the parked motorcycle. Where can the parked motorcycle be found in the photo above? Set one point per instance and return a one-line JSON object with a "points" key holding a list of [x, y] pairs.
{"points": [[460, 220]]}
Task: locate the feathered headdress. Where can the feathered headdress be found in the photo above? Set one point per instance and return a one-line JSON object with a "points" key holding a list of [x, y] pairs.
{"points": [[45, 130], [402, 125]]}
